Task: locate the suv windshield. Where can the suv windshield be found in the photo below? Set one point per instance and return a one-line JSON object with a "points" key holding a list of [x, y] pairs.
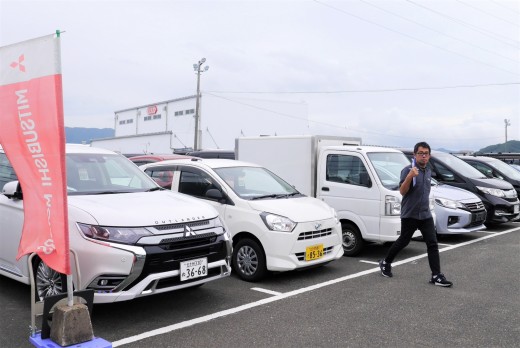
{"points": [[255, 183], [388, 167], [456, 164], [89, 173]]}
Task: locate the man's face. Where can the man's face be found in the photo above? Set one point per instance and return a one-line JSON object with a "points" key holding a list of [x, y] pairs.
{"points": [[422, 156]]}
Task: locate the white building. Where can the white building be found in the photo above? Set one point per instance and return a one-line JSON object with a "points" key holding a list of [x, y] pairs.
{"points": [[169, 126]]}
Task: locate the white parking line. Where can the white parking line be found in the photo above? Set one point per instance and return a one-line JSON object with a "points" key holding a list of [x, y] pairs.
{"points": [[271, 292], [371, 262], [444, 244], [481, 231], [282, 296]]}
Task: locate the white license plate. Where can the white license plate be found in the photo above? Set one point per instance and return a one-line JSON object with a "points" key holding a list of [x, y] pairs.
{"points": [[194, 269], [516, 208]]}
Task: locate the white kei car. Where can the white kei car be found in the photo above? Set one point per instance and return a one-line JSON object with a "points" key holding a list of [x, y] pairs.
{"points": [[274, 227]]}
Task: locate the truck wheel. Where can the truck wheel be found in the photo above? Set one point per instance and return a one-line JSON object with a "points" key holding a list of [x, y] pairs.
{"points": [[47, 281], [249, 260], [352, 241]]}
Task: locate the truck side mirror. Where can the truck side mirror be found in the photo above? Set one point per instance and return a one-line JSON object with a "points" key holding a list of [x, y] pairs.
{"points": [[13, 190]]}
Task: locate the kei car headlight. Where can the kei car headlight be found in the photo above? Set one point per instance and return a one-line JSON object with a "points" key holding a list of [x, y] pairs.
{"points": [[124, 235], [448, 203], [277, 222], [492, 191]]}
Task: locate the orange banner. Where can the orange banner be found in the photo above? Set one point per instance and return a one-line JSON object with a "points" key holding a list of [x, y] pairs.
{"points": [[33, 137]]}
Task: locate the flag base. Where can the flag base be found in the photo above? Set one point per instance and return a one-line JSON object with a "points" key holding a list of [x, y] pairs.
{"points": [[96, 342]]}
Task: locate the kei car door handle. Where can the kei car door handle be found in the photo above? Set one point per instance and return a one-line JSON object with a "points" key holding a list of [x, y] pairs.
{"points": [[325, 189]]}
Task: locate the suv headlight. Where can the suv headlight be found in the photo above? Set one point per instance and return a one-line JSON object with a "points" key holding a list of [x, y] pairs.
{"points": [[392, 205], [492, 191], [448, 203], [124, 235], [220, 223], [277, 222]]}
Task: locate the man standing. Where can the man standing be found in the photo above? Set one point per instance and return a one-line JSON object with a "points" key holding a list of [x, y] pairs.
{"points": [[415, 185]]}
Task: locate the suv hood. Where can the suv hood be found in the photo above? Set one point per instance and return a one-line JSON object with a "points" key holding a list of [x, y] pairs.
{"points": [[298, 209], [141, 208], [453, 193], [493, 183]]}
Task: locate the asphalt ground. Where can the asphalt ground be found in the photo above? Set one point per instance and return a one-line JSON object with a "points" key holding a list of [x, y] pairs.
{"points": [[346, 303]]}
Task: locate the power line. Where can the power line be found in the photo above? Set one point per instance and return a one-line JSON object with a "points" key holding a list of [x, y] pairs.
{"points": [[410, 89], [439, 32], [412, 37], [504, 6], [470, 26], [336, 126], [485, 12]]}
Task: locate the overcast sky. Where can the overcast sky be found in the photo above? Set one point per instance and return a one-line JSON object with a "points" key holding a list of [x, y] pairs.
{"points": [[392, 72]]}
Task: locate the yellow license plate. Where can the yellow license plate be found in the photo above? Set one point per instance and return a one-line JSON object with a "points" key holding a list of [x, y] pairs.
{"points": [[314, 252]]}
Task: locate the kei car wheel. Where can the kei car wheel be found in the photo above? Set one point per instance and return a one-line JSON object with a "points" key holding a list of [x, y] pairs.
{"points": [[47, 281], [249, 260], [352, 241]]}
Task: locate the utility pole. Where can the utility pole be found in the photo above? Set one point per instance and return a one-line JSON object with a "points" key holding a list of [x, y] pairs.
{"points": [[198, 132], [507, 123]]}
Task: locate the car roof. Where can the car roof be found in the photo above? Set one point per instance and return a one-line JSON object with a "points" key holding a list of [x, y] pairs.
{"points": [[208, 162], [159, 157], [480, 158]]}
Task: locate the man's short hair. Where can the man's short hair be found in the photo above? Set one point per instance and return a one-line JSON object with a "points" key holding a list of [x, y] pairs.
{"points": [[421, 144]]}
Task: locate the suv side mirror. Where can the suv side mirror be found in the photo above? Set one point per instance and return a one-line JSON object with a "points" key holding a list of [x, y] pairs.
{"points": [[214, 194], [13, 190]]}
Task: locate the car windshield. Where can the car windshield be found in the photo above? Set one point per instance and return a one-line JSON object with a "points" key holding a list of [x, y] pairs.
{"points": [[91, 173], [506, 169], [388, 167], [255, 183], [456, 164]]}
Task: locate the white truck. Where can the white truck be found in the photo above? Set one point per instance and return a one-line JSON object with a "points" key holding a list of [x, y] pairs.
{"points": [[360, 182]]}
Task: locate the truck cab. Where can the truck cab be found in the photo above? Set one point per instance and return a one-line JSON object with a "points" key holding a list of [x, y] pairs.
{"points": [[362, 184]]}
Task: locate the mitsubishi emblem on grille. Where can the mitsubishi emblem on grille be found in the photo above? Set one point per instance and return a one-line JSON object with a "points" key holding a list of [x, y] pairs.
{"points": [[317, 226], [188, 232]]}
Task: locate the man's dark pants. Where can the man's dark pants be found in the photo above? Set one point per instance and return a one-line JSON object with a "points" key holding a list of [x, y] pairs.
{"points": [[408, 228]]}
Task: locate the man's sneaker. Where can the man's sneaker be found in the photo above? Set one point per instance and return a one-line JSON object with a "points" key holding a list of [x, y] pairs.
{"points": [[440, 280], [386, 268]]}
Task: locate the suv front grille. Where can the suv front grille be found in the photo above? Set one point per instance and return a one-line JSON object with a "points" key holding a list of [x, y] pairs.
{"points": [[192, 225]]}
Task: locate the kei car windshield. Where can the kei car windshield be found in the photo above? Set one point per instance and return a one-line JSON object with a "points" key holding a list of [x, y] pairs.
{"points": [[388, 167], [255, 183], [91, 173]]}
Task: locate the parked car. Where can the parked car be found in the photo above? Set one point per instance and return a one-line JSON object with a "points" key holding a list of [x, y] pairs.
{"points": [[145, 159], [495, 168], [457, 210], [274, 227], [218, 153], [128, 237], [499, 197]]}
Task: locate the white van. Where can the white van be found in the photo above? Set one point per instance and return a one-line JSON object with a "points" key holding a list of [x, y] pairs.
{"points": [[128, 237], [274, 227]]}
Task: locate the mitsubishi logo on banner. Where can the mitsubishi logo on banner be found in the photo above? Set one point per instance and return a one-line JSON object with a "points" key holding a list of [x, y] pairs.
{"points": [[19, 64], [188, 232]]}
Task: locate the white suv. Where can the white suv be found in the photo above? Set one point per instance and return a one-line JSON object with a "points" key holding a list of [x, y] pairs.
{"points": [[128, 237], [274, 227]]}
